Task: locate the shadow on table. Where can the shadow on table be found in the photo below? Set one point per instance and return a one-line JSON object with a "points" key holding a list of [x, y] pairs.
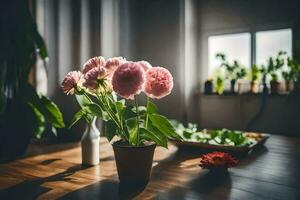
{"points": [[31, 189], [106, 189], [210, 186]]}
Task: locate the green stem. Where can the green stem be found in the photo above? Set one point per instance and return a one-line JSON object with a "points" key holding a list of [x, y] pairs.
{"points": [[147, 116], [138, 121]]}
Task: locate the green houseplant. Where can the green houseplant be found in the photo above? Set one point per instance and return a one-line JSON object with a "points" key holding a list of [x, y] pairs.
{"points": [[234, 71], [271, 69], [23, 112], [291, 75], [255, 74], [105, 85]]}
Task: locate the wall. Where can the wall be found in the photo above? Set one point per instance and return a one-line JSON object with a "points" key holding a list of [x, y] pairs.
{"points": [[156, 38]]}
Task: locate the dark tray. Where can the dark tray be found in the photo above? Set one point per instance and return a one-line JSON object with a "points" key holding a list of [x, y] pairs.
{"points": [[225, 148]]}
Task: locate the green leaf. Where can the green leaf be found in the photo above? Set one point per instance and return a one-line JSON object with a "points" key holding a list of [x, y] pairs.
{"points": [[45, 106], [163, 125], [110, 129], [151, 108], [51, 113], [128, 113], [82, 100], [40, 122], [79, 115], [54, 131], [94, 109], [133, 130], [156, 137]]}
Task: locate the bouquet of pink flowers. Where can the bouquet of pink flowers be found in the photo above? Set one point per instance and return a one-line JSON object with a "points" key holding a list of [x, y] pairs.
{"points": [[102, 87]]}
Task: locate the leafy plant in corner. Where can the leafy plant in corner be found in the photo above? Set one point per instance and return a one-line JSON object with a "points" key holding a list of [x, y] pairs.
{"points": [[23, 112]]}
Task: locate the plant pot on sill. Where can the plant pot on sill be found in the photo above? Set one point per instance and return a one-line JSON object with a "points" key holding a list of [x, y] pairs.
{"points": [[232, 86], [289, 85], [254, 87], [134, 163], [274, 87]]}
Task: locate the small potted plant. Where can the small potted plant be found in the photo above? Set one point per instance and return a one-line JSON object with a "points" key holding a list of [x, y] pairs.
{"points": [[254, 84], [208, 87], [271, 69], [219, 85], [290, 75], [106, 86], [295, 68], [234, 71]]}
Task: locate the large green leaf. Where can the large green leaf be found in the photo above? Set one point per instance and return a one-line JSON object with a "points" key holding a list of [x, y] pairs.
{"points": [[94, 109], [39, 123], [46, 107], [156, 137], [82, 100], [51, 112], [79, 115], [133, 130], [110, 130], [151, 108], [163, 125]]}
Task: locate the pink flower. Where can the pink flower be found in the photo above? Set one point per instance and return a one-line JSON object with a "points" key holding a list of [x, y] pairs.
{"points": [[93, 63], [146, 65], [70, 82], [113, 63], [92, 77], [159, 82], [128, 80]]}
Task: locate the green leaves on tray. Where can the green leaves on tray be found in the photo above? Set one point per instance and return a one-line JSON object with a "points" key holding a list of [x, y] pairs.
{"points": [[213, 137]]}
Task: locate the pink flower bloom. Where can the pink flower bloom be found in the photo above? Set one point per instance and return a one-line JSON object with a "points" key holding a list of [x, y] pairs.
{"points": [[113, 63], [70, 82], [93, 63], [159, 82], [128, 80], [146, 65], [92, 77]]}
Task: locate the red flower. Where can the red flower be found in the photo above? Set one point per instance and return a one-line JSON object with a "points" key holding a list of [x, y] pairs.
{"points": [[216, 160]]}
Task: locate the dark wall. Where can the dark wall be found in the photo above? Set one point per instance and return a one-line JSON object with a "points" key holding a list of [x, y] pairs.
{"points": [[156, 38]]}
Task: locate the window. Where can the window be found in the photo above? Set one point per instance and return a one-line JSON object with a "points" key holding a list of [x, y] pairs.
{"points": [[269, 43], [238, 47], [234, 46]]}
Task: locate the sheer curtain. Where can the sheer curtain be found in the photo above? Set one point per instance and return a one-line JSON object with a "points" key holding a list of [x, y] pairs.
{"points": [[72, 31]]}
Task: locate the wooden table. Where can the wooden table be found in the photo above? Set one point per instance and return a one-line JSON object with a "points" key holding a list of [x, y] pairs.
{"points": [[54, 171]]}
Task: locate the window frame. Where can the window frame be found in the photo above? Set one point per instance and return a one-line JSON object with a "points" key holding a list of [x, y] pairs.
{"points": [[252, 33]]}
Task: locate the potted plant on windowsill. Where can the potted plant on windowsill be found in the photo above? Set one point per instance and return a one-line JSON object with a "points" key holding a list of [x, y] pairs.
{"points": [[271, 69], [234, 71], [291, 74], [254, 84], [106, 86]]}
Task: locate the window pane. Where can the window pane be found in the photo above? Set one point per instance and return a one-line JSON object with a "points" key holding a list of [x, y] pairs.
{"points": [[234, 46], [269, 43]]}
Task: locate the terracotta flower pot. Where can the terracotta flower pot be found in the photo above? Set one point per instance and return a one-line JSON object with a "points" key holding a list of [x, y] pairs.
{"points": [[289, 85], [254, 87], [274, 87], [134, 164]]}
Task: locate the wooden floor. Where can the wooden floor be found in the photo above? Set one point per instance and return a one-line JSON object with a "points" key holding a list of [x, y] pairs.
{"points": [[55, 172]]}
